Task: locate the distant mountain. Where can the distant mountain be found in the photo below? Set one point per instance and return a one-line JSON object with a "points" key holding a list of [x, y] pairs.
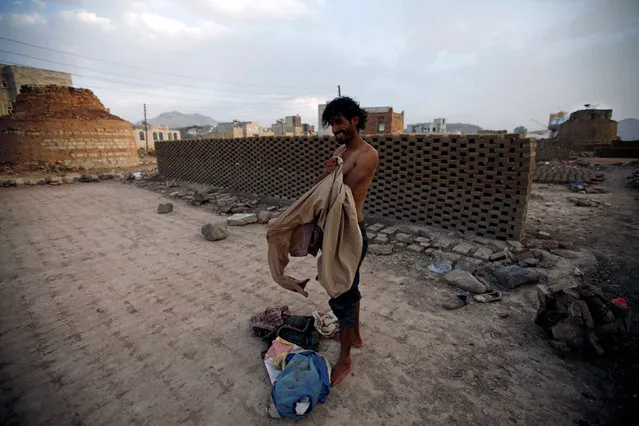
{"points": [[175, 119], [628, 129], [467, 129]]}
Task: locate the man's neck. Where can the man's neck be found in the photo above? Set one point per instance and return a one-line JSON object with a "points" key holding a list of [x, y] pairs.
{"points": [[354, 143]]}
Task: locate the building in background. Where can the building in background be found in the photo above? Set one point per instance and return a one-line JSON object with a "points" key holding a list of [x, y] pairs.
{"points": [[13, 77], [288, 126], [383, 120], [438, 125], [588, 127], [155, 133]]}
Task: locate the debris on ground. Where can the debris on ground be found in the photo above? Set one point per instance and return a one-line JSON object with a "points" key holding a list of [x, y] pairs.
{"points": [[493, 296], [514, 276], [456, 302], [380, 249], [241, 219], [164, 208], [441, 268], [581, 316], [214, 232], [326, 324], [465, 281]]}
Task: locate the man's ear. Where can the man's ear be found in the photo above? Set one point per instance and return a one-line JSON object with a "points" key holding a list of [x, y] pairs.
{"points": [[355, 121]]}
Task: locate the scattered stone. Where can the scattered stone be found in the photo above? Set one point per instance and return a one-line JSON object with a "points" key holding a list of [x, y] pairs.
{"points": [[498, 245], [463, 249], [483, 253], [264, 216], [465, 281], [401, 246], [19, 182], [523, 254], [31, 182], [481, 240], [543, 235], [380, 249], [404, 238], [500, 255], [271, 209], [465, 265], [390, 230], [88, 178], [429, 250], [420, 240], [214, 232], [55, 181], [241, 208], [172, 183], [381, 239], [241, 219], [515, 245], [200, 198], [165, 208], [529, 262], [106, 176], [578, 273], [425, 245], [416, 248], [443, 243], [375, 228], [515, 275], [175, 194]]}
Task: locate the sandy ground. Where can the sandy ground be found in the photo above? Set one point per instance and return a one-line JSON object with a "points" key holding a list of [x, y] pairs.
{"points": [[113, 314]]}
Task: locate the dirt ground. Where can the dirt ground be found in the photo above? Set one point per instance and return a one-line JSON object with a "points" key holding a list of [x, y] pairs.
{"points": [[113, 314]]}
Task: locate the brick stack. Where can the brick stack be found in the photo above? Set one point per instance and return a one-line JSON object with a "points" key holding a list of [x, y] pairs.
{"points": [[552, 149], [562, 174], [472, 183]]}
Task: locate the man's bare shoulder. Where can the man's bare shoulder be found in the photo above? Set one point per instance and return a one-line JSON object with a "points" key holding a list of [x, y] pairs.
{"points": [[369, 152]]}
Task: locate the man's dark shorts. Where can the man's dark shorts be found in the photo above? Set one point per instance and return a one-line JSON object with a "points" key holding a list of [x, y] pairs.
{"points": [[343, 306]]}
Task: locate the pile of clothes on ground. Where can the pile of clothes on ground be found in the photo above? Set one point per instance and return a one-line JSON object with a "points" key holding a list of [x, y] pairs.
{"points": [[300, 376]]}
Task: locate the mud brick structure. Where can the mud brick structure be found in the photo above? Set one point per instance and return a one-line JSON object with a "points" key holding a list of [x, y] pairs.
{"points": [[469, 183], [64, 124], [552, 149], [587, 128]]}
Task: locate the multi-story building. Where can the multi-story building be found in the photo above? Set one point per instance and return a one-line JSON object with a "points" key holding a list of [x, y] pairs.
{"points": [[155, 133], [13, 77], [383, 120], [288, 126], [438, 125]]}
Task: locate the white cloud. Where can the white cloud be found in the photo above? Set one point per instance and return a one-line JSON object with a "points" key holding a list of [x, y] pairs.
{"points": [[154, 26], [250, 9], [87, 18], [39, 3], [28, 18]]}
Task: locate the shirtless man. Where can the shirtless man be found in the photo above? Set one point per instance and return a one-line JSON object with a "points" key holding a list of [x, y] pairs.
{"points": [[346, 118]]}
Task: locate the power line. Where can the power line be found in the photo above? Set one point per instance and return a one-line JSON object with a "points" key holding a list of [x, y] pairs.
{"points": [[145, 80], [147, 69]]}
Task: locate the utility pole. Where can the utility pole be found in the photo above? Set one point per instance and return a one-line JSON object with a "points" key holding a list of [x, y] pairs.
{"points": [[146, 131], [339, 90]]}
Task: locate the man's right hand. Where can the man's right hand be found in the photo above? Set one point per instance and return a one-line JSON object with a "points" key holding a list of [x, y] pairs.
{"points": [[331, 165]]}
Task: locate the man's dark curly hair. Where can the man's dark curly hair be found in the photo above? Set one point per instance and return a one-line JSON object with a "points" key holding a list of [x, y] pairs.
{"points": [[346, 106]]}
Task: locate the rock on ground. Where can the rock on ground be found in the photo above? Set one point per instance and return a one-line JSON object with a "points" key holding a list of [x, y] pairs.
{"points": [[165, 208], [380, 249], [264, 216], [514, 275], [214, 232], [241, 219], [465, 281]]}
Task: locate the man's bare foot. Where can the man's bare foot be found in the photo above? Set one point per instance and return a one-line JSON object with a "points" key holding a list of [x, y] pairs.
{"points": [[357, 340], [340, 371]]}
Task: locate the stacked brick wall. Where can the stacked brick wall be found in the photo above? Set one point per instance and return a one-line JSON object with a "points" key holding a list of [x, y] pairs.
{"points": [[53, 123], [552, 149], [619, 149], [472, 183]]}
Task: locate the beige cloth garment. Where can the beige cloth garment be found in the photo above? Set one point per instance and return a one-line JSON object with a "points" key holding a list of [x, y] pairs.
{"points": [[332, 203]]}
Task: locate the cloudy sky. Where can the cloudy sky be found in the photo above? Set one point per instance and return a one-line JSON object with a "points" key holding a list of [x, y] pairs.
{"points": [[495, 63]]}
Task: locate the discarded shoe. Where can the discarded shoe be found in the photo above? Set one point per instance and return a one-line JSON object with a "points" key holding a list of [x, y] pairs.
{"points": [[459, 301], [493, 296]]}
